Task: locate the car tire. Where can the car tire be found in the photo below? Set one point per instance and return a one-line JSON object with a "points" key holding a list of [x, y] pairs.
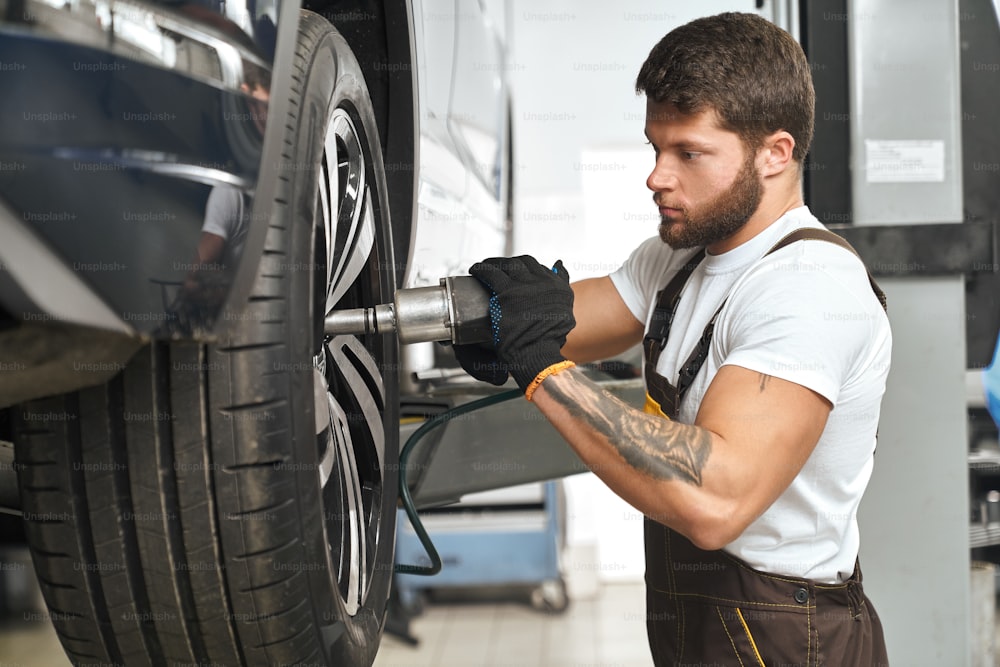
{"points": [[235, 503]]}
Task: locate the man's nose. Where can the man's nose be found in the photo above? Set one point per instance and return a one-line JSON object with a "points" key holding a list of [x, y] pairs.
{"points": [[661, 178]]}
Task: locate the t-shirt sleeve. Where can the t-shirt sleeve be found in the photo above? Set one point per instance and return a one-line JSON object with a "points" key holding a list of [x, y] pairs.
{"points": [[222, 211], [637, 279], [800, 322]]}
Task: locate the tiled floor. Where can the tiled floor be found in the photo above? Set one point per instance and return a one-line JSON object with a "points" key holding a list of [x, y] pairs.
{"points": [[603, 631], [607, 630]]}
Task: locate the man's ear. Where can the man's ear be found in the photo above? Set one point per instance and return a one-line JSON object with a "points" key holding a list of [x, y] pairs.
{"points": [[776, 152]]}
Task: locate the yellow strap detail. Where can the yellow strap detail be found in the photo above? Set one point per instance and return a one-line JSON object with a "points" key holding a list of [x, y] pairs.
{"points": [[732, 643], [653, 408], [551, 370], [753, 644]]}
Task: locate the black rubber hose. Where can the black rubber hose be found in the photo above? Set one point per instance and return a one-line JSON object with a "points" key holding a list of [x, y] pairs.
{"points": [[404, 489]]}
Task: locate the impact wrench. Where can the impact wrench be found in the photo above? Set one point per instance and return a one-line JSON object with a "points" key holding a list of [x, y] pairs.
{"points": [[456, 310]]}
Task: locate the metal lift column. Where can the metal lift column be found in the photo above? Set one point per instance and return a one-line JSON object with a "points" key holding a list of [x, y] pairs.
{"points": [[906, 162]]}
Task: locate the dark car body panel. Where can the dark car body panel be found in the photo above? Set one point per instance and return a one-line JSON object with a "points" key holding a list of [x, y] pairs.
{"points": [[120, 119], [112, 152], [113, 138]]}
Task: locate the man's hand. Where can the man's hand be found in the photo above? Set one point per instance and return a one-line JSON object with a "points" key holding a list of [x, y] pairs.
{"points": [[531, 310]]}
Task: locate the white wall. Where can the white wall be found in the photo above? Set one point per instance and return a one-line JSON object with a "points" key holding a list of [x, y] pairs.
{"points": [[581, 166]]}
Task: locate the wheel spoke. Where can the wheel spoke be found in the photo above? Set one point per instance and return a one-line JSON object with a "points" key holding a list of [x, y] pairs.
{"points": [[329, 189], [326, 407], [352, 236], [362, 376], [355, 259], [352, 568]]}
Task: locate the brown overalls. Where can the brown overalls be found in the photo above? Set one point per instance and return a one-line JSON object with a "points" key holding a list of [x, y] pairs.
{"points": [[711, 608]]}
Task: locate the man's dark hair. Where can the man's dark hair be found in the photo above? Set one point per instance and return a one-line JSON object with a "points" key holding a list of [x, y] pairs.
{"points": [[753, 73]]}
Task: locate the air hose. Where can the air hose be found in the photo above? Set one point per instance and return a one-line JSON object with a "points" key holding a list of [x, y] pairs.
{"points": [[404, 489]]}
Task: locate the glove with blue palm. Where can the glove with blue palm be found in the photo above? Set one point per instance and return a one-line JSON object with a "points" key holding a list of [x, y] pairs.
{"points": [[531, 310]]}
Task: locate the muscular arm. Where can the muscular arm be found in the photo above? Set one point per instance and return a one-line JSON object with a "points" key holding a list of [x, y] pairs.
{"points": [[709, 480], [604, 324]]}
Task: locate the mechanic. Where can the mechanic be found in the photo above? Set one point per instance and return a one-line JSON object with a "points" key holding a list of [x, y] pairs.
{"points": [[766, 358]]}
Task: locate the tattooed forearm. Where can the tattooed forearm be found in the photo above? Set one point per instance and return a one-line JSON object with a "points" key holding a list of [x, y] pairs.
{"points": [[658, 447]]}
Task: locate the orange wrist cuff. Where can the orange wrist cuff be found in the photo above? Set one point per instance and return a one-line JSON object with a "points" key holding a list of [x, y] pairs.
{"points": [[551, 370]]}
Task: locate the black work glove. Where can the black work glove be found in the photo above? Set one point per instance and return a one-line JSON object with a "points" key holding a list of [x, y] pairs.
{"points": [[480, 361], [531, 311]]}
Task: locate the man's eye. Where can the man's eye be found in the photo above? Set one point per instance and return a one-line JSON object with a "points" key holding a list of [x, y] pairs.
{"points": [[689, 155]]}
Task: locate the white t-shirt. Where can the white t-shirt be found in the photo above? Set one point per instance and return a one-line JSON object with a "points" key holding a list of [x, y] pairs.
{"points": [[806, 314], [226, 216]]}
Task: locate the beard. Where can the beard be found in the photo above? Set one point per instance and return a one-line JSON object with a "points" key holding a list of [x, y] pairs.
{"points": [[721, 217]]}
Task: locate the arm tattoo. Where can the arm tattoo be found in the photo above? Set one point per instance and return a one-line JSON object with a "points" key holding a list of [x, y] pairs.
{"points": [[661, 448], [763, 381]]}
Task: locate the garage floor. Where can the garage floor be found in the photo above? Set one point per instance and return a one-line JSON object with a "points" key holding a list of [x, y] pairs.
{"points": [[601, 631], [605, 630]]}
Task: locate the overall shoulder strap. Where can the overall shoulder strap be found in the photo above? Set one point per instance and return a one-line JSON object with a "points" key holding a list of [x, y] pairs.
{"points": [[666, 301], [812, 233], [658, 388]]}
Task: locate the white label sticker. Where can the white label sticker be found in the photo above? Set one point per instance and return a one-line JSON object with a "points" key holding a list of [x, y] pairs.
{"points": [[904, 160]]}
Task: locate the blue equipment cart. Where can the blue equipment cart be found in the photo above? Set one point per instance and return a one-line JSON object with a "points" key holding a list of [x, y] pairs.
{"points": [[508, 537]]}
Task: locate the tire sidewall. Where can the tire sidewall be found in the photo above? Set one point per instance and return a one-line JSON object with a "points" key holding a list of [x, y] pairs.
{"points": [[333, 80]]}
